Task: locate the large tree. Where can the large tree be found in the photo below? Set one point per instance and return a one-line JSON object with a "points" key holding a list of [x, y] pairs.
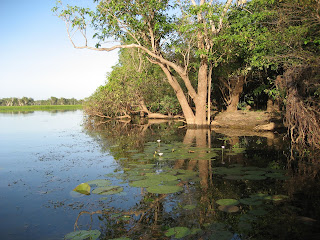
{"points": [[179, 36]]}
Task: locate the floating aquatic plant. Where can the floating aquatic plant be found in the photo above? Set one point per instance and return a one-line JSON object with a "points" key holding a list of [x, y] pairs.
{"points": [[227, 202], [250, 201], [234, 177], [107, 190], [83, 188], [228, 208], [279, 197], [178, 232], [189, 207], [254, 177], [222, 235], [145, 183], [164, 189], [161, 177], [83, 234]]}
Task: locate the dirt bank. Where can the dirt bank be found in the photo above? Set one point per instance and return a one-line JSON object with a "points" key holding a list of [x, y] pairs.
{"points": [[257, 121]]}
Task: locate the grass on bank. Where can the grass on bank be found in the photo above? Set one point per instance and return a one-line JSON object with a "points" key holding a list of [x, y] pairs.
{"points": [[39, 108]]}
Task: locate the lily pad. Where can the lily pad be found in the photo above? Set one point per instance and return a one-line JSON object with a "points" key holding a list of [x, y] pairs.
{"points": [[251, 168], [172, 183], [99, 182], [254, 177], [161, 177], [146, 166], [113, 191], [83, 188], [277, 175], [262, 196], [83, 234], [187, 177], [228, 208], [178, 232], [227, 202], [234, 171], [75, 194], [132, 151], [188, 172], [145, 183], [255, 172], [233, 177], [108, 190], [164, 189], [220, 170], [250, 201], [195, 231], [278, 197], [136, 178]]}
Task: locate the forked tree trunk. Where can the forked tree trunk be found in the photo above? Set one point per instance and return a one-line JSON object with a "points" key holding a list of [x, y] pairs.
{"points": [[186, 109], [235, 95], [199, 118]]}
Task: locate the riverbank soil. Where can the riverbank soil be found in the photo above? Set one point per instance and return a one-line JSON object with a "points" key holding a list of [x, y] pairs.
{"points": [[253, 120]]}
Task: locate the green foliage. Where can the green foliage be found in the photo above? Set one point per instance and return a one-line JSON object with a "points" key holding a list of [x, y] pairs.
{"points": [[25, 101], [133, 82], [166, 105]]}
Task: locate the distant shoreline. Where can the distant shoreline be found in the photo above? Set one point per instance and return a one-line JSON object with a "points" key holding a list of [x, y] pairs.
{"points": [[39, 108]]}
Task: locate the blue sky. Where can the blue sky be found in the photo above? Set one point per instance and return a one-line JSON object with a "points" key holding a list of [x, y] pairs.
{"points": [[36, 58]]}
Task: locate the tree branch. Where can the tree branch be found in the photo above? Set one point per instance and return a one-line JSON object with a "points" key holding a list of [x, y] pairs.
{"points": [[224, 12]]}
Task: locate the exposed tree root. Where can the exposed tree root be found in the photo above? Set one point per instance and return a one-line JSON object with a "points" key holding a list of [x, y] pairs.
{"points": [[302, 116]]}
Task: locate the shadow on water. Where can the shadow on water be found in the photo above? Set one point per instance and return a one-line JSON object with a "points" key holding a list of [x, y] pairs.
{"points": [[177, 183]]}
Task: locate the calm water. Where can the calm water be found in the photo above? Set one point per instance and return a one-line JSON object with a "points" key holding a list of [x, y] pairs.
{"points": [[193, 184]]}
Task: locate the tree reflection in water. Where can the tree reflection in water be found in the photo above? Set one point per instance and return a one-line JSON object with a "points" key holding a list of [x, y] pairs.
{"points": [[254, 171]]}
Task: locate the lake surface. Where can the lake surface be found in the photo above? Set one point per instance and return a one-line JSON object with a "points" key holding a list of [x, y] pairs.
{"points": [[191, 184]]}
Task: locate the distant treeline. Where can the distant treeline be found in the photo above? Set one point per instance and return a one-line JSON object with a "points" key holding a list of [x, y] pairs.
{"points": [[25, 101]]}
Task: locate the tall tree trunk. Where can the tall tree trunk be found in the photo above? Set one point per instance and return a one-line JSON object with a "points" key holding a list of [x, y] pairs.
{"points": [[201, 99], [209, 94], [234, 100]]}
